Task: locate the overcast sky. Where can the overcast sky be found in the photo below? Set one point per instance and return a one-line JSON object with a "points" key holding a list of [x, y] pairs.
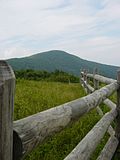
{"points": [[89, 29]]}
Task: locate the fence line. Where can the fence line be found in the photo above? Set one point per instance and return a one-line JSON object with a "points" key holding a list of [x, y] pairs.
{"points": [[89, 143], [36, 128], [109, 149], [109, 103], [22, 136], [112, 144], [102, 78]]}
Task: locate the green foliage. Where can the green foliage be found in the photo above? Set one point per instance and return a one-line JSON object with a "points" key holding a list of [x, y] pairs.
{"points": [[35, 96], [60, 60], [56, 76]]}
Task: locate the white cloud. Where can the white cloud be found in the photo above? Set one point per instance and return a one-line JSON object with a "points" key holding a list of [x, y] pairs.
{"points": [[15, 52], [99, 49], [86, 27]]}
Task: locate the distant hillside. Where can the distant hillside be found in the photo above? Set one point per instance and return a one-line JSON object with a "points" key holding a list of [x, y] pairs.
{"points": [[60, 60]]}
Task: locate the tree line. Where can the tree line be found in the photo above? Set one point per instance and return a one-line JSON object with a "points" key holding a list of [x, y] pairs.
{"points": [[56, 76]]}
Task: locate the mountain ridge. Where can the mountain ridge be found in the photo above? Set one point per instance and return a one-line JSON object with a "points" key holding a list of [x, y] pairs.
{"points": [[60, 60]]}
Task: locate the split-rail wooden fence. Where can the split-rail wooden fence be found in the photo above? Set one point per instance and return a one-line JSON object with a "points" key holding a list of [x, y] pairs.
{"points": [[18, 138]]}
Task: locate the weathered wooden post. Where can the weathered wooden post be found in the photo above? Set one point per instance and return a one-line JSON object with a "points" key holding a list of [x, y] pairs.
{"points": [[81, 76], [117, 132], [96, 86], [86, 81], [86, 78], [84, 75], [96, 82], [118, 106], [7, 83]]}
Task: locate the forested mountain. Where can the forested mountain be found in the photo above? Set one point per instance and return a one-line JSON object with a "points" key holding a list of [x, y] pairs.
{"points": [[60, 60]]}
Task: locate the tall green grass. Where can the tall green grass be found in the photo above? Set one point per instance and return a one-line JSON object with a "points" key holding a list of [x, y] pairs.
{"points": [[35, 96]]}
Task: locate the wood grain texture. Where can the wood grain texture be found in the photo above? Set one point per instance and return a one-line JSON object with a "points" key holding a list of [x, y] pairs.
{"points": [[102, 78], [88, 144], [107, 102], [117, 130], [112, 144], [87, 87], [118, 108], [36, 128], [96, 81], [109, 149], [7, 83]]}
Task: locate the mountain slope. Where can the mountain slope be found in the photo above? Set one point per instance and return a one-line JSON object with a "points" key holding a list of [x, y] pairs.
{"points": [[60, 60]]}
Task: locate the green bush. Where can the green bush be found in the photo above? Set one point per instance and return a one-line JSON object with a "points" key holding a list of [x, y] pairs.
{"points": [[56, 76]]}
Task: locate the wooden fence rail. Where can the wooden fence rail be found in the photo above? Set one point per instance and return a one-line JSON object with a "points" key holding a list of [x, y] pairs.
{"points": [[89, 143], [36, 128], [112, 144], [101, 78], [22, 136], [107, 102]]}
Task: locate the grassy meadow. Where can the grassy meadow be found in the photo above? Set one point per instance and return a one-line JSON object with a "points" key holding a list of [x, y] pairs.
{"points": [[35, 96]]}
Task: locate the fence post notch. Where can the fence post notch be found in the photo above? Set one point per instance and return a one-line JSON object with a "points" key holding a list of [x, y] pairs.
{"points": [[96, 82], [7, 83]]}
